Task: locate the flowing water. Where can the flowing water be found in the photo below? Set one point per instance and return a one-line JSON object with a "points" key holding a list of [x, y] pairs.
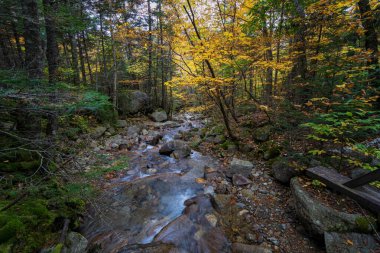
{"points": [[157, 206]]}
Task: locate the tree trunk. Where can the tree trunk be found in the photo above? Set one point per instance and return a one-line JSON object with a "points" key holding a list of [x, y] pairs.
{"points": [[268, 88], [51, 39], [33, 49], [150, 49], [81, 60], [371, 44], [87, 57], [74, 58]]}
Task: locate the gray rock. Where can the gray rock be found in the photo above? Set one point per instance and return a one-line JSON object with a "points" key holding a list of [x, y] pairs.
{"points": [[245, 248], [159, 116], [262, 134], [98, 132], [239, 180], [283, 171], [132, 102], [133, 130], [180, 149], [75, 243], [350, 243], [121, 123], [318, 218], [238, 166]]}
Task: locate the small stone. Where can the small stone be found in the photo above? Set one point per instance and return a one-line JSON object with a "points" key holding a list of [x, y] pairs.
{"points": [[151, 171], [114, 145], [121, 123], [274, 241], [212, 219], [144, 132], [240, 180], [242, 212]]}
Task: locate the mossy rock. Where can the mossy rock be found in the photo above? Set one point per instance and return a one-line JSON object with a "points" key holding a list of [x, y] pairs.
{"points": [[262, 134], [270, 150], [226, 144], [365, 224]]}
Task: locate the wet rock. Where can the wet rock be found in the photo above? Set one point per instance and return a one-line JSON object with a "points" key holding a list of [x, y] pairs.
{"points": [[98, 132], [283, 170], [350, 243], [75, 243], [132, 102], [159, 116], [318, 218], [238, 166], [121, 123], [179, 148], [239, 180], [133, 130], [154, 247], [211, 173], [262, 134], [245, 248]]}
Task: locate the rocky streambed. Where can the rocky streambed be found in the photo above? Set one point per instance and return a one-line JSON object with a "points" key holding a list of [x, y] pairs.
{"points": [[171, 198]]}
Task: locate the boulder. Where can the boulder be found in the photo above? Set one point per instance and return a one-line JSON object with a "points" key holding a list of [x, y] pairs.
{"points": [[159, 116], [132, 102], [318, 218], [283, 170], [75, 243], [180, 149], [98, 132], [350, 243], [241, 167], [239, 180], [262, 134]]}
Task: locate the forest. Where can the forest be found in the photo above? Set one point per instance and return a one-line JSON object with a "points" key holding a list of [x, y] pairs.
{"points": [[189, 126]]}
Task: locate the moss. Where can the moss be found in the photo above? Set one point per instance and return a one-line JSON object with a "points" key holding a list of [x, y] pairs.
{"points": [[57, 248], [20, 166], [10, 229], [227, 143], [365, 224]]}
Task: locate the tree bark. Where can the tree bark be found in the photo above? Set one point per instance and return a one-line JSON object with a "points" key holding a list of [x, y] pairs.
{"points": [[33, 49], [74, 58], [81, 60], [51, 39]]}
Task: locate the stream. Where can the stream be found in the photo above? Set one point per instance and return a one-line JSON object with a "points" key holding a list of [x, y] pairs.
{"points": [[158, 204]]}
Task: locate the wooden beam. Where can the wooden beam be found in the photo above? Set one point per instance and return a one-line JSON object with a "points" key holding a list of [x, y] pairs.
{"points": [[367, 196], [364, 179]]}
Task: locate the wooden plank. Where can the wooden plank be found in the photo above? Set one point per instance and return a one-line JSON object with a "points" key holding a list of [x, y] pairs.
{"points": [[367, 196], [364, 179]]}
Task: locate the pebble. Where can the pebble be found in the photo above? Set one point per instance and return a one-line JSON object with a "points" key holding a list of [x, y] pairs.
{"points": [[274, 240]]}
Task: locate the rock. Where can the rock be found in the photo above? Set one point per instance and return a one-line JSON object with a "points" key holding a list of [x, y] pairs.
{"points": [[245, 248], [179, 149], [221, 201], [132, 102], [75, 243], [247, 193], [262, 134], [245, 148], [350, 243], [318, 218], [283, 170], [239, 180], [232, 148], [159, 116], [238, 166], [121, 123], [219, 139], [111, 131], [98, 132], [154, 140], [133, 130], [274, 241], [212, 219], [114, 145]]}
